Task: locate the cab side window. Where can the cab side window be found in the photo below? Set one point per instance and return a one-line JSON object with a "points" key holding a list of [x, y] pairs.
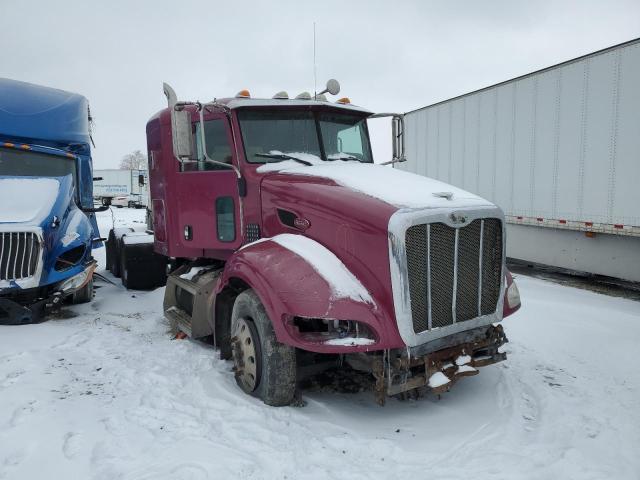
{"points": [[218, 147]]}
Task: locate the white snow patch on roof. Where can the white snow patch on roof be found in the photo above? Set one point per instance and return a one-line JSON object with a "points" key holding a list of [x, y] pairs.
{"points": [[342, 282], [27, 199], [396, 187]]}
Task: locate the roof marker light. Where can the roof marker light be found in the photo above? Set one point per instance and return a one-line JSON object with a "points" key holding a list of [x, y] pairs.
{"points": [[24, 146], [281, 96], [304, 96], [8, 144], [321, 97], [344, 101], [243, 94]]}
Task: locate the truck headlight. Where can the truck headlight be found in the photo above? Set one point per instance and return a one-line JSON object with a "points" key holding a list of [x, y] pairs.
{"points": [[334, 332], [74, 282], [513, 295]]}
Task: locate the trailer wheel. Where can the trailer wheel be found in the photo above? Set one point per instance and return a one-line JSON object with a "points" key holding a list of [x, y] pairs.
{"points": [[130, 204], [264, 367], [140, 267], [84, 294]]}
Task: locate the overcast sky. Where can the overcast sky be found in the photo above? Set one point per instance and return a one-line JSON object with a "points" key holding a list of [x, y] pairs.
{"points": [[388, 56]]}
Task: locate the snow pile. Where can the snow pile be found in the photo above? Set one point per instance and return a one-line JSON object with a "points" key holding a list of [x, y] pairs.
{"points": [[438, 379], [396, 187], [27, 199], [342, 282], [350, 341], [463, 360], [193, 271]]}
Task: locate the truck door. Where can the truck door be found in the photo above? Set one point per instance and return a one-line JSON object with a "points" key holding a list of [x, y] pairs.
{"points": [[208, 201]]}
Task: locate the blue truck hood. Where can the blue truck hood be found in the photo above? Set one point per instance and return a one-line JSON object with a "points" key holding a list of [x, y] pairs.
{"points": [[47, 205]]}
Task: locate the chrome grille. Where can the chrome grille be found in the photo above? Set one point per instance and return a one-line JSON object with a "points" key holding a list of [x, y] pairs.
{"points": [[454, 273], [19, 253]]}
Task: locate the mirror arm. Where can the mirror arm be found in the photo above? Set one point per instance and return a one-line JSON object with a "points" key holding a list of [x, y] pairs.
{"points": [[95, 210]]}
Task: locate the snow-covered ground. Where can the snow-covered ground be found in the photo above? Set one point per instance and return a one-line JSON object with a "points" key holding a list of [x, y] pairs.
{"points": [[107, 394]]}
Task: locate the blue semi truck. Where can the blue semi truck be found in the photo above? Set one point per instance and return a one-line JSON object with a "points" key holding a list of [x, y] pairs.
{"points": [[47, 218]]}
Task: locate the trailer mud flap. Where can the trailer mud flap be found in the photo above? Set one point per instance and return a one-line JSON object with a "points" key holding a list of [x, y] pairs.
{"points": [[405, 375]]}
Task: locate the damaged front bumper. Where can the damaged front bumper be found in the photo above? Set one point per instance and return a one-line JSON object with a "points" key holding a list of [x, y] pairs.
{"points": [[23, 306], [434, 366]]}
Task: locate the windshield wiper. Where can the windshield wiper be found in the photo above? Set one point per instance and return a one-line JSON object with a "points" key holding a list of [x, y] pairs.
{"points": [[282, 156], [344, 157]]}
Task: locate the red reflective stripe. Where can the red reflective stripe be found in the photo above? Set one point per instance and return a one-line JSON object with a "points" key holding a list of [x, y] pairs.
{"points": [[589, 224], [562, 221], [617, 225], [540, 219]]}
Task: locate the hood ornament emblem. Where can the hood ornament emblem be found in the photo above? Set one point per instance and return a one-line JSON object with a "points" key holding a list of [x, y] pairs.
{"points": [[457, 218], [447, 195]]}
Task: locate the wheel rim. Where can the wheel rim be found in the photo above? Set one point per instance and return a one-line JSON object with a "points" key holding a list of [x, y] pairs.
{"points": [[245, 354]]}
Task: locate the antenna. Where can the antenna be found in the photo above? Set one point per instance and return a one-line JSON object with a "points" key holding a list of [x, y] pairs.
{"points": [[315, 90]]}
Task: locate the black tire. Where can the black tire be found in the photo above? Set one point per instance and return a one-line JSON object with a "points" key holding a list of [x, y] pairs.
{"points": [[130, 204], [105, 201], [83, 295], [141, 268], [275, 362]]}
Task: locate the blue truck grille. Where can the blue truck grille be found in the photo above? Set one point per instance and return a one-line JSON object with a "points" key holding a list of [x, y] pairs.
{"points": [[19, 254]]}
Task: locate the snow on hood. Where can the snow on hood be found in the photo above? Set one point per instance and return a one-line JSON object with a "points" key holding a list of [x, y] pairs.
{"points": [[396, 187], [27, 199], [342, 282]]}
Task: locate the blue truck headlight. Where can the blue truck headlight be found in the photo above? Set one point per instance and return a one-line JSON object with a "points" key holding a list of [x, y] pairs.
{"points": [[75, 282]]}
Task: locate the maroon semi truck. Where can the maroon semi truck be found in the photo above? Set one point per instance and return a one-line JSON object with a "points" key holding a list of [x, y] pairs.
{"points": [[285, 245]]}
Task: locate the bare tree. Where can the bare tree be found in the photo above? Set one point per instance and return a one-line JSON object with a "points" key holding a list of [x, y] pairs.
{"points": [[135, 160]]}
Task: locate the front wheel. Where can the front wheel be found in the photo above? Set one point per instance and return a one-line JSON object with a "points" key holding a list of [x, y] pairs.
{"points": [[264, 367], [84, 294]]}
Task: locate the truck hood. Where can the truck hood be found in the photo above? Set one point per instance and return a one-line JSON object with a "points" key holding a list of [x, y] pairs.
{"points": [[30, 204], [395, 187], [26, 199]]}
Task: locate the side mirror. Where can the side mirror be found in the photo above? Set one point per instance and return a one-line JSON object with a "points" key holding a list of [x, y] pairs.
{"points": [[106, 204], [397, 134], [397, 137], [180, 126], [141, 180]]}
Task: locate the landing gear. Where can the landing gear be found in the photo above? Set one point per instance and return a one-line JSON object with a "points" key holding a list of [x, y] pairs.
{"points": [[264, 367]]}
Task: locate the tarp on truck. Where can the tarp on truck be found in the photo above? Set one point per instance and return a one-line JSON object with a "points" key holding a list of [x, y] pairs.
{"points": [[30, 111]]}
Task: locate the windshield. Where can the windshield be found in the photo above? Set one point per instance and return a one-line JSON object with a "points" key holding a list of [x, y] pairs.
{"points": [[32, 164], [273, 136]]}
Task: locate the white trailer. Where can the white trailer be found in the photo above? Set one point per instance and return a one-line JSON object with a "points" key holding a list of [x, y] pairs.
{"points": [[111, 183], [558, 150]]}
